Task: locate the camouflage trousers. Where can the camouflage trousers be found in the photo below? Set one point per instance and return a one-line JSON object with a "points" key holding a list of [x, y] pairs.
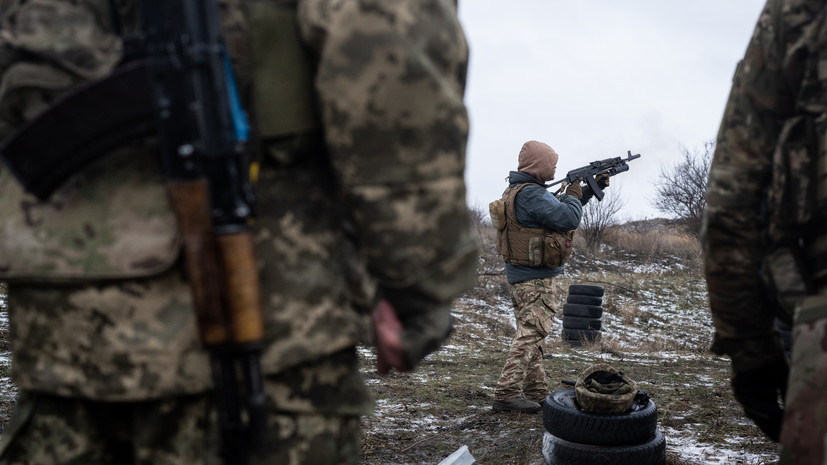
{"points": [[804, 432], [523, 374], [51, 430]]}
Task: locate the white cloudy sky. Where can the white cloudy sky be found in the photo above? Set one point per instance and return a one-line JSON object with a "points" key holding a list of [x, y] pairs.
{"points": [[596, 78]]}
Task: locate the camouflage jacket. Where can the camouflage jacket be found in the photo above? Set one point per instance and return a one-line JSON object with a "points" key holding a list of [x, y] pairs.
{"points": [[763, 179], [367, 197]]}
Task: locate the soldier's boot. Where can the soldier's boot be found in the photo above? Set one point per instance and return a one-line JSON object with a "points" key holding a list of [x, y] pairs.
{"points": [[537, 396], [517, 404]]}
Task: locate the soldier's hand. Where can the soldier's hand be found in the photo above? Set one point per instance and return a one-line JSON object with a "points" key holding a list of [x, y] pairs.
{"points": [[759, 391], [387, 331], [602, 180], [575, 190]]}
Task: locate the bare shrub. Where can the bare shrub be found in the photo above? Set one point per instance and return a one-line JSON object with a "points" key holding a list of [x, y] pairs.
{"points": [[681, 190], [598, 218], [625, 309]]}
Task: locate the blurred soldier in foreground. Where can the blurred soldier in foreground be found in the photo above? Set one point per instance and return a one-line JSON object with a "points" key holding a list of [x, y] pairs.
{"points": [[535, 231], [765, 234], [361, 210]]}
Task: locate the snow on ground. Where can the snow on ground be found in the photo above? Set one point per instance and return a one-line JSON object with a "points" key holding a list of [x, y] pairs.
{"points": [[8, 391], [659, 315]]}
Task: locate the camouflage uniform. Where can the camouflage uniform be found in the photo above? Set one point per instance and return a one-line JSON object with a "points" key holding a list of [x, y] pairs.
{"points": [[764, 225], [360, 193], [523, 373]]}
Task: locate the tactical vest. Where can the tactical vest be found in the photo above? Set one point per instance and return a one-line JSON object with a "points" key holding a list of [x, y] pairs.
{"points": [[519, 245]]}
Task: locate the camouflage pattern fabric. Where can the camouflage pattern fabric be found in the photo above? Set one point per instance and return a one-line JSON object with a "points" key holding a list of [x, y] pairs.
{"points": [[751, 150], [766, 193], [55, 430], [375, 202], [805, 408], [58, 247], [602, 388], [128, 340], [523, 374], [381, 206]]}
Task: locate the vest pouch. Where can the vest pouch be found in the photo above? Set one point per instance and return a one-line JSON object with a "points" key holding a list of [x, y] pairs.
{"points": [[282, 71], [535, 251], [496, 210], [785, 276], [792, 194], [557, 248]]}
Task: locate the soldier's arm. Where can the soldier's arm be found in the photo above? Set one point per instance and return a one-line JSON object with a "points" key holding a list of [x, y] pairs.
{"points": [[562, 215], [391, 81], [760, 98]]}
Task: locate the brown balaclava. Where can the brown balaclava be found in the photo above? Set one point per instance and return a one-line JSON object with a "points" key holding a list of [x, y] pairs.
{"points": [[538, 160]]}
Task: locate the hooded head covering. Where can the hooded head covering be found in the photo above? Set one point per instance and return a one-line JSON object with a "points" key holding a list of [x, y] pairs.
{"points": [[538, 160]]}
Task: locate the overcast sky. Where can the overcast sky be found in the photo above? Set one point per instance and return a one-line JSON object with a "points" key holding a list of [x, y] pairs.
{"points": [[595, 79]]}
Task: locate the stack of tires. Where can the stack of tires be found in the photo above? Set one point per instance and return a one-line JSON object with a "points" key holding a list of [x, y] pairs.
{"points": [[582, 314], [576, 437]]}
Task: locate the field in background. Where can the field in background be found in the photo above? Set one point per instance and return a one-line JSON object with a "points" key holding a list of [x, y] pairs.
{"points": [[656, 328]]}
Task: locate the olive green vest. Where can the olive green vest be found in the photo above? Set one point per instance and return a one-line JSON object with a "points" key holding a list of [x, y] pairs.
{"points": [[519, 245]]}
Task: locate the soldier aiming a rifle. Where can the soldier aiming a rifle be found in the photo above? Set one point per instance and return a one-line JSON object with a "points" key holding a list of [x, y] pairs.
{"points": [[360, 133], [535, 230]]}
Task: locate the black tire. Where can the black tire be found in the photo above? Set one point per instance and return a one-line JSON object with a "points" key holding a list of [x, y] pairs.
{"points": [[584, 299], [558, 451], [590, 335], [586, 289], [576, 322], [583, 311], [563, 418], [574, 342]]}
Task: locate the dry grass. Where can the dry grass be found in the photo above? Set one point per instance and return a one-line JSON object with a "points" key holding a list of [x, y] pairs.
{"points": [[654, 242], [654, 331]]}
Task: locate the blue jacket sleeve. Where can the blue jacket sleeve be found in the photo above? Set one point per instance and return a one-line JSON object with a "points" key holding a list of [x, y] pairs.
{"points": [[537, 207]]}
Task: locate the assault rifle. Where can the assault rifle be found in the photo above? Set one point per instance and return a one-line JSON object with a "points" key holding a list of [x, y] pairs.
{"points": [[178, 86], [610, 166]]}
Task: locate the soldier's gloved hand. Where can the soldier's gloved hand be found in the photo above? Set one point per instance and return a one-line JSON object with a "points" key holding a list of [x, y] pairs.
{"points": [[758, 390], [575, 190], [602, 180]]}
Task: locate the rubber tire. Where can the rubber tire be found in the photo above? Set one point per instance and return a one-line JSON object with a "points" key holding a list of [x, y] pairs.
{"points": [[574, 342], [584, 299], [590, 335], [583, 311], [563, 419], [586, 289], [576, 322], [558, 451]]}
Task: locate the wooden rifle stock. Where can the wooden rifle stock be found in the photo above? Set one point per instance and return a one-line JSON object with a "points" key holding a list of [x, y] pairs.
{"points": [[221, 270], [224, 282]]}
